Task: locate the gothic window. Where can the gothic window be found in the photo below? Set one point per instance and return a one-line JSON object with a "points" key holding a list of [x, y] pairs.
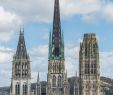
{"points": [[86, 51], [86, 85], [59, 81], [94, 65], [93, 86], [26, 69], [87, 68], [91, 71], [53, 68], [54, 81], [60, 67], [17, 89], [23, 70], [24, 89], [23, 66], [17, 69]]}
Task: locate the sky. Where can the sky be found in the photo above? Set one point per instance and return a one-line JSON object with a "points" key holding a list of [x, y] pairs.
{"points": [[77, 17]]}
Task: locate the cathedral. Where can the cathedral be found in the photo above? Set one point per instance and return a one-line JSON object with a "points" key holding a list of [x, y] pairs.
{"points": [[88, 82]]}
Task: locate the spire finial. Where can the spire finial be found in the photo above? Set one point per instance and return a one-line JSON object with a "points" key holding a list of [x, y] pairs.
{"points": [[38, 79], [21, 29]]}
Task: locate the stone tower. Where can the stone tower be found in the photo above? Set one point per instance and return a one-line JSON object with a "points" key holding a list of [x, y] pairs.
{"points": [[21, 70], [89, 66], [38, 86], [57, 83]]}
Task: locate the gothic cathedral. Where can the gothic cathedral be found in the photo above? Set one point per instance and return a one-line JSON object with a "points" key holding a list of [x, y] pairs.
{"points": [[57, 82], [88, 82]]}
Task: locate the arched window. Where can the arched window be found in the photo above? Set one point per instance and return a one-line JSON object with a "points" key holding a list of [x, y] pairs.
{"points": [[54, 81], [26, 69], [17, 90], [25, 89], [59, 81], [19, 69]]}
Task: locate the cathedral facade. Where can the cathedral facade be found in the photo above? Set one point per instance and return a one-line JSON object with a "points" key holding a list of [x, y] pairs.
{"points": [[88, 82]]}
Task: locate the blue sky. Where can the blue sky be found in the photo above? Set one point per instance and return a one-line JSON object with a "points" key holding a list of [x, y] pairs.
{"points": [[77, 17]]}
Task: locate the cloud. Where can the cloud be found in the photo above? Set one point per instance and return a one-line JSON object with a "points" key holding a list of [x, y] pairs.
{"points": [[106, 62], [38, 10], [39, 58], [5, 53], [6, 36], [12, 15], [107, 11], [7, 17], [8, 24]]}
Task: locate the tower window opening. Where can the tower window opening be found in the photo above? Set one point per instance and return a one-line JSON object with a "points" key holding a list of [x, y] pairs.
{"points": [[54, 81]]}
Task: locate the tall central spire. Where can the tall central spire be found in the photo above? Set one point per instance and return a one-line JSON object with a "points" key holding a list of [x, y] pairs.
{"points": [[56, 19], [56, 43]]}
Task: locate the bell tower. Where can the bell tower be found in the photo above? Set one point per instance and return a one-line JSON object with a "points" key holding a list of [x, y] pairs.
{"points": [[89, 66], [21, 69]]}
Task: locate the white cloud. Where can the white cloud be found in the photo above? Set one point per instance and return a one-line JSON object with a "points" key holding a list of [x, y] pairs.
{"points": [[38, 10], [108, 11], [8, 18], [6, 36], [5, 53], [8, 24], [12, 15], [106, 64]]}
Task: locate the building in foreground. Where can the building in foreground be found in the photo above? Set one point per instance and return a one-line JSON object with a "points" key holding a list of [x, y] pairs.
{"points": [[89, 75]]}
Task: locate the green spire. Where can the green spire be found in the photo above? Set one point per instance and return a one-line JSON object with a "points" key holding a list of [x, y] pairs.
{"points": [[56, 38], [50, 47], [62, 45]]}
